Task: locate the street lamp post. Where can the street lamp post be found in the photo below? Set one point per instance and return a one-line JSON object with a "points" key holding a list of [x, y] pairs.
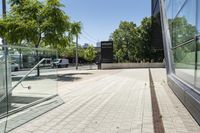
{"points": [[77, 52], [6, 61], [4, 8], [4, 15]]}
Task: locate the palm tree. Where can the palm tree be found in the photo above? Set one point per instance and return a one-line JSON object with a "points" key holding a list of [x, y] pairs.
{"points": [[75, 31]]}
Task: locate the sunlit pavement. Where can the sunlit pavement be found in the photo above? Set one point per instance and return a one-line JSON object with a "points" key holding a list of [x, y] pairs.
{"points": [[47, 70], [112, 101]]}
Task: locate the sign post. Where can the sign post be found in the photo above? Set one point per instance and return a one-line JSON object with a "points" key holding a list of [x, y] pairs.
{"points": [[107, 52]]}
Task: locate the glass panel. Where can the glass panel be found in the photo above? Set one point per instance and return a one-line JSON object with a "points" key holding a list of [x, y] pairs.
{"points": [[34, 87], [168, 4], [184, 24], [154, 2], [3, 101], [184, 58], [169, 15], [177, 4], [156, 10], [198, 67], [198, 16]]}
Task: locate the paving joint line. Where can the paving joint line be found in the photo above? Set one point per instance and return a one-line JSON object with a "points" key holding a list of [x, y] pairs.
{"points": [[157, 117]]}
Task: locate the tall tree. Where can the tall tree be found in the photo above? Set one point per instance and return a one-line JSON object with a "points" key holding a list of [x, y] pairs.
{"points": [[15, 2], [145, 31], [35, 23], [90, 53], [75, 30], [125, 40], [132, 43]]}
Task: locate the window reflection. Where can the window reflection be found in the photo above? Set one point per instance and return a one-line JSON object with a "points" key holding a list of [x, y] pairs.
{"points": [[184, 27], [198, 16], [154, 2], [184, 58], [198, 66], [177, 4], [168, 4]]}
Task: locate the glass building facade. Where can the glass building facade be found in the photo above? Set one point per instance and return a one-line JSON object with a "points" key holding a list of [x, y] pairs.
{"points": [[180, 28], [183, 22]]}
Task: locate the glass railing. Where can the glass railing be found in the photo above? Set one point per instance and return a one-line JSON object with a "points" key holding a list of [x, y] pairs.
{"points": [[3, 103], [27, 87]]}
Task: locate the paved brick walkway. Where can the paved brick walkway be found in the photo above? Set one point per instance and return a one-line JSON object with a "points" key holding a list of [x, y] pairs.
{"points": [[108, 101], [176, 118]]}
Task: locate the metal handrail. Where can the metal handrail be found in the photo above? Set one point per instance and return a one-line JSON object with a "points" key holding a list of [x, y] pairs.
{"points": [[23, 78], [28, 73]]}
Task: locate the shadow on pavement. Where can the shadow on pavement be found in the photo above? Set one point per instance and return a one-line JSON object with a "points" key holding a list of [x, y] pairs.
{"points": [[61, 77]]}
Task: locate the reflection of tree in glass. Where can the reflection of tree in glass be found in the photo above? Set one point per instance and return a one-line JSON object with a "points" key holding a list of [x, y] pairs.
{"points": [[181, 31]]}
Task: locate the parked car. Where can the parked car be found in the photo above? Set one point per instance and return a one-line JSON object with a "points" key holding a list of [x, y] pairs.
{"points": [[46, 63], [59, 63], [14, 66]]}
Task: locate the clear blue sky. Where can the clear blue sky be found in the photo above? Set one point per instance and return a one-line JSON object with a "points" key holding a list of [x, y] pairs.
{"points": [[101, 17]]}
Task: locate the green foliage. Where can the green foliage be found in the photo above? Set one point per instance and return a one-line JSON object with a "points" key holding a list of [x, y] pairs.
{"points": [[75, 28], [90, 53], [119, 55], [145, 31], [70, 51], [81, 51], [15, 2], [132, 43], [125, 40], [38, 23], [183, 31]]}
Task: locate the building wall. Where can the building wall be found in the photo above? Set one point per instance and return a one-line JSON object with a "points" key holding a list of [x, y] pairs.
{"points": [[183, 22], [157, 41], [181, 32]]}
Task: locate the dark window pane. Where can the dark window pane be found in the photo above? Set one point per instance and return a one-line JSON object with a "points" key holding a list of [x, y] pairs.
{"points": [[184, 58], [184, 24], [154, 2]]}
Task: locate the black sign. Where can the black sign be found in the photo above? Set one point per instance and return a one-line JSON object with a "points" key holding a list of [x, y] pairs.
{"points": [[107, 52]]}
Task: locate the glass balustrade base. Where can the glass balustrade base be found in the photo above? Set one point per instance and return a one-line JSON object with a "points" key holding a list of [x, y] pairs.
{"points": [[18, 119]]}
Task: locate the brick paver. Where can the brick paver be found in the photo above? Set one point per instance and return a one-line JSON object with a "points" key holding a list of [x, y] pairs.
{"points": [[175, 116], [107, 101]]}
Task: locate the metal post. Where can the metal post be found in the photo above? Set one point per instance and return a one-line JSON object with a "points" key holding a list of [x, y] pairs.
{"points": [[6, 62], [77, 52], [4, 15], [4, 8]]}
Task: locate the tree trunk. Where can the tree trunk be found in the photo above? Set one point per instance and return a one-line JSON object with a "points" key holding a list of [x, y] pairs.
{"points": [[37, 59], [37, 54], [20, 58]]}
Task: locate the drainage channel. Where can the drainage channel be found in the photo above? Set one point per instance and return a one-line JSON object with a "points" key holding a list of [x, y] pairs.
{"points": [[157, 117]]}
